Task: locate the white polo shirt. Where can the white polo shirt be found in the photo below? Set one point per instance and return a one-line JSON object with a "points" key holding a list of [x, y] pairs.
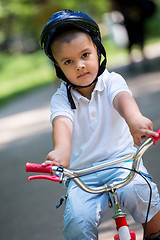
{"points": [[99, 132]]}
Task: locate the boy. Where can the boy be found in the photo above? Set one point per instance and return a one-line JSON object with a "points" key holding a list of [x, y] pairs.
{"points": [[94, 119]]}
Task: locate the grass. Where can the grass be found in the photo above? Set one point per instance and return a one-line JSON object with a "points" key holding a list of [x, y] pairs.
{"points": [[115, 55], [21, 73]]}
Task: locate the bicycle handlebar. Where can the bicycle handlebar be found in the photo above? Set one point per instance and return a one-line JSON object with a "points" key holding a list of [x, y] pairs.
{"points": [[61, 173], [34, 167]]}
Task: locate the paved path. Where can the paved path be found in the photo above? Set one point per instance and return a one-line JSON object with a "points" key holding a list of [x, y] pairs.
{"points": [[27, 209]]}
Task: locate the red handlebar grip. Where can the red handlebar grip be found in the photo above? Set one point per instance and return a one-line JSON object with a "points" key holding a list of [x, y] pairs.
{"points": [[155, 139], [34, 167]]}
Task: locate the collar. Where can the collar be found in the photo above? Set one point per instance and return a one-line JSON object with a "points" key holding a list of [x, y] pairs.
{"points": [[100, 86]]}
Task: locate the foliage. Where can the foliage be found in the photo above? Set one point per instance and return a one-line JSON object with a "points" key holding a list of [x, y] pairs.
{"points": [[21, 21], [152, 24]]}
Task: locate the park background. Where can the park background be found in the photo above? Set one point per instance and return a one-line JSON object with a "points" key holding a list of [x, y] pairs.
{"points": [[27, 82], [23, 66]]}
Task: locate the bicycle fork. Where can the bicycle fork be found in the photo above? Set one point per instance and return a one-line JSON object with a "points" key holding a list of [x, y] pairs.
{"points": [[120, 219]]}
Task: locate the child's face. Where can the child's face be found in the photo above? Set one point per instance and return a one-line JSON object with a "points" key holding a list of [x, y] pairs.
{"points": [[77, 57]]}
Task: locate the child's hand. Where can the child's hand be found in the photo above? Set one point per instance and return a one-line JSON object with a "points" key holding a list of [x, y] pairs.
{"points": [[62, 134], [141, 127], [56, 157]]}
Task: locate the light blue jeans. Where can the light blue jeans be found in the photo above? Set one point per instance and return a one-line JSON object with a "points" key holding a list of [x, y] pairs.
{"points": [[84, 211]]}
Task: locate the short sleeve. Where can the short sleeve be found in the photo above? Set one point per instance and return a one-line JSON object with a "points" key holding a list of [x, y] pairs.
{"points": [[115, 85], [60, 105]]}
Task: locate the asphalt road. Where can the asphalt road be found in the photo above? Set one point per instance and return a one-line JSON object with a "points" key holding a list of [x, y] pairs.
{"points": [[28, 209]]}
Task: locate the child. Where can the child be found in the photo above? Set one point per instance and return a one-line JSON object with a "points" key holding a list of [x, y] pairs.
{"points": [[94, 119]]}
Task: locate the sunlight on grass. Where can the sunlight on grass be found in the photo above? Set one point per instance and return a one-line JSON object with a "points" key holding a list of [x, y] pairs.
{"points": [[20, 73], [115, 55]]}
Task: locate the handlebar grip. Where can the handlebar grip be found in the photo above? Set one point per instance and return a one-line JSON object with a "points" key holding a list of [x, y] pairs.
{"points": [[34, 167], [155, 139]]}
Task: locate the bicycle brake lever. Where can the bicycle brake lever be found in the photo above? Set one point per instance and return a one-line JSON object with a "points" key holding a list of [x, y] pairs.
{"points": [[46, 177], [59, 173]]}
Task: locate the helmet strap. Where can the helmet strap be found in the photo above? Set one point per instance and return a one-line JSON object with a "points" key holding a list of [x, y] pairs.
{"points": [[69, 95], [69, 85]]}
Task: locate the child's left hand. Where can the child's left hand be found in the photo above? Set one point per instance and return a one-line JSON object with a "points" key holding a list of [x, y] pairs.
{"points": [[140, 128]]}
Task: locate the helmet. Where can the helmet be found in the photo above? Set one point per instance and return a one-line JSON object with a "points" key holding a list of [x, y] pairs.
{"points": [[67, 20]]}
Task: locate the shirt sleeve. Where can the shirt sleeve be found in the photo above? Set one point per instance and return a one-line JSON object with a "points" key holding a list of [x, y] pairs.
{"points": [[116, 84], [60, 105]]}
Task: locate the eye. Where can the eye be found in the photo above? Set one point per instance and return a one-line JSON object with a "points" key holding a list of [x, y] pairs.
{"points": [[67, 62], [85, 55]]}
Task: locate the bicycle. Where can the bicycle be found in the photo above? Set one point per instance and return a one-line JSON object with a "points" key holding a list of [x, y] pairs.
{"points": [[61, 174]]}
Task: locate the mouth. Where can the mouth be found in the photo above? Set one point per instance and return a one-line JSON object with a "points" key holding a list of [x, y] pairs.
{"points": [[83, 75]]}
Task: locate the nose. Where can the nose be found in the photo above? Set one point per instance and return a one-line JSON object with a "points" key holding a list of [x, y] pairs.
{"points": [[80, 65]]}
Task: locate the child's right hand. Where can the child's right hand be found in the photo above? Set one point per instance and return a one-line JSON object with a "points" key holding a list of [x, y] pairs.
{"points": [[62, 134]]}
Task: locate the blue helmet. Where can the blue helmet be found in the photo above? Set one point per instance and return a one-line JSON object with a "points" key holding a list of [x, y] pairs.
{"points": [[68, 20]]}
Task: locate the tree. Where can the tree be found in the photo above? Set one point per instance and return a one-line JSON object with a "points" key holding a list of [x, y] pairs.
{"points": [[21, 21]]}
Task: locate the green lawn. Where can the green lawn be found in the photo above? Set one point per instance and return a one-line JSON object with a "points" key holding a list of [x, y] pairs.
{"points": [[20, 73]]}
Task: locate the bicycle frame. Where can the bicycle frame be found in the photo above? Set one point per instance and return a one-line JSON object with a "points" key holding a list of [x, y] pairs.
{"points": [[62, 174]]}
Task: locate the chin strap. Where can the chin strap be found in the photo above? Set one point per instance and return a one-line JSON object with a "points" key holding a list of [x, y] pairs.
{"points": [[69, 95], [70, 99], [155, 236]]}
